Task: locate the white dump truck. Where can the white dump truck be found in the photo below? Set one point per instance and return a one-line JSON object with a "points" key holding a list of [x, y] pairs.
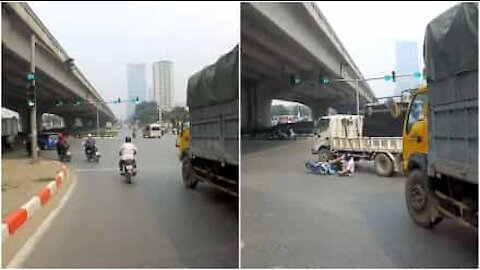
{"points": [[343, 134]]}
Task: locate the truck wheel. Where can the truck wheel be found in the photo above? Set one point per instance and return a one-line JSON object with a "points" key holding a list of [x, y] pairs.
{"points": [[324, 155], [421, 202], [188, 175], [383, 165]]}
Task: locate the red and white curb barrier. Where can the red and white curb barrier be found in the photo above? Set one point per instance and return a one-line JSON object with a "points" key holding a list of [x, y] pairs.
{"points": [[26, 211]]}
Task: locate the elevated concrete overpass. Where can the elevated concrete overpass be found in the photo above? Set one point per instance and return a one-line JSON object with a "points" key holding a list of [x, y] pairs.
{"points": [[57, 76], [284, 39]]}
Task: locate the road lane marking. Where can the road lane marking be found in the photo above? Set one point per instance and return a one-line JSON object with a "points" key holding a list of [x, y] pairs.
{"points": [[28, 247]]}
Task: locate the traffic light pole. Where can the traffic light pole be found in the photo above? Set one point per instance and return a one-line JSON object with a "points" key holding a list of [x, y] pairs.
{"points": [[356, 81], [358, 97], [33, 111]]}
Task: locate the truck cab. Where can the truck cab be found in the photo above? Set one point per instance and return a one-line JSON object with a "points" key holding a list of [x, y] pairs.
{"points": [[334, 126], [415, 132]]}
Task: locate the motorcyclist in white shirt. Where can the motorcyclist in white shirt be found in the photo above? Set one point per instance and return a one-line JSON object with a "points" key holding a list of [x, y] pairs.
{"points": [[127, 152]]}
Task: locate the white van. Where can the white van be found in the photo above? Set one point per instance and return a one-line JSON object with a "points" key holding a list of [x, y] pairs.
{"points": [[152, 131]]}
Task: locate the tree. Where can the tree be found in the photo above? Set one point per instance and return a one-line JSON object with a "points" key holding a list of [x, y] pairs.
{"points": [[175, 115], [279, 110], [146, 112]]}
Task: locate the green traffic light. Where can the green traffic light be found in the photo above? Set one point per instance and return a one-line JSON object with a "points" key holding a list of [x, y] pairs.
{"points": [[31, 76], [295, 79], [387, 78], [417, 75], [325, 80]]}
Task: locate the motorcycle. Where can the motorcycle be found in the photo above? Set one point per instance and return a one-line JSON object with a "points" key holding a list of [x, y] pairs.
{"points": [[92, 153], [129, 170], [65, 155]]}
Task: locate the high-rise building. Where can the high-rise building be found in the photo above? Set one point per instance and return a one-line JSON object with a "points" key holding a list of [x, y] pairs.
{"points": [[407, 62], [163, 84], [136, 85]]}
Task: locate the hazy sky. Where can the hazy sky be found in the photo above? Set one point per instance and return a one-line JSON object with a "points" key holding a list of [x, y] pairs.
{"points": [[103, 37], [369, 31]]}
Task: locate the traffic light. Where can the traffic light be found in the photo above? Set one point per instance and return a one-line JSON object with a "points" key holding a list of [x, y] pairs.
{"points": [[30, 76], [417, 75], [295, 79], [324, 80], [137, 99], [393, 76], [31, 99], [119, 100]]}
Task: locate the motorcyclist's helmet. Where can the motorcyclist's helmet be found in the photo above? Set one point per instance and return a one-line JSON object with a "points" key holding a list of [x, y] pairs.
{"points": [[128, 139], [89, 135]]}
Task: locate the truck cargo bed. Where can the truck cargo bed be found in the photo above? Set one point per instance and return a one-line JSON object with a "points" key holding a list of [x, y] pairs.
{"points": [[368, 144], [214, 132]]}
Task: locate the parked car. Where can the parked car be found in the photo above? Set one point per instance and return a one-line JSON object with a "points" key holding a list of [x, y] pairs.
{"points": [[48, 141]]}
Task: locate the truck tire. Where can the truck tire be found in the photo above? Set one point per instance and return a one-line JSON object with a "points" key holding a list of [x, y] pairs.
{"points": [[324, 155], [383, 165], [421, 202], [188, 174]]}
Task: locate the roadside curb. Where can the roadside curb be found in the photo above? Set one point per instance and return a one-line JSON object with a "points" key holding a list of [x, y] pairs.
{"points": [[16, 219]]}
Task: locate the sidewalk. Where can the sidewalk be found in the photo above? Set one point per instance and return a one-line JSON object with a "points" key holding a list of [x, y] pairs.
{"points": [[22, 180]]}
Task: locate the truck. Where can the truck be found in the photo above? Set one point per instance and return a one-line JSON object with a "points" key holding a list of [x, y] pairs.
{"points": [[9, 131], [343, 134], [208, 146], [9, 126], [152, 131], [440, 137]]}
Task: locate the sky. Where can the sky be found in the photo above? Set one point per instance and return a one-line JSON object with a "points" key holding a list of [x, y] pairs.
{"points": [[369, 31], [103, 37]]}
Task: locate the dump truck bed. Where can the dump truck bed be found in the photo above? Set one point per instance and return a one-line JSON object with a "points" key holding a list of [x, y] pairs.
{"points": [[368, 144]]}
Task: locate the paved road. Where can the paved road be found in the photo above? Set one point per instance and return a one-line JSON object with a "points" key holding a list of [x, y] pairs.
{"points": [[291, 218], [155, 222]]}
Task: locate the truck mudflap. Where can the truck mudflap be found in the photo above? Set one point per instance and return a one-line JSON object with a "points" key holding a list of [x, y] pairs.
{"points": [[457, 210]]}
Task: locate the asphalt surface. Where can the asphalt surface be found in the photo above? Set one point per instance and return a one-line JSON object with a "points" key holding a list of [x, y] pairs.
{"points": [[153, 223], [293, 218]]}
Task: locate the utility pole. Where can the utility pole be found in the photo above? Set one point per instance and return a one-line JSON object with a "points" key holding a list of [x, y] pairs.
{"points": [[98, 122], [33, 111]]}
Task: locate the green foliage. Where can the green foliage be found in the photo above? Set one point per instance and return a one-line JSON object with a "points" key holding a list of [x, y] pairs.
{"points": [[146, 112]]}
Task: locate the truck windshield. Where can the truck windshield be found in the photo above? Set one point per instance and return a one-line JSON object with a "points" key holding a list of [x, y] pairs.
{"points": [[323, 125], [417, 109]]}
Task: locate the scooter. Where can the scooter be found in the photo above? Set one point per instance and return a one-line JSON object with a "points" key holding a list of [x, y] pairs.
{"points": [[92, 154], [129, 170], [65, 155]]}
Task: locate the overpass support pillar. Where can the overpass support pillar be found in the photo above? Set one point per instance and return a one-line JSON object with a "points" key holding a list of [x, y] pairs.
{"points": [[319, 109], [255, 108], [87, 123], [69, 122]]}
